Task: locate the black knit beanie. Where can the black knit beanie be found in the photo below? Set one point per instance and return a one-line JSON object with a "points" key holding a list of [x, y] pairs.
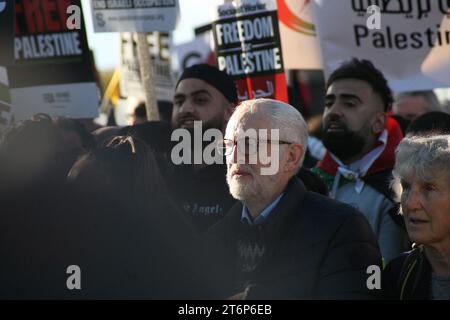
{"points": [[214, 77]]}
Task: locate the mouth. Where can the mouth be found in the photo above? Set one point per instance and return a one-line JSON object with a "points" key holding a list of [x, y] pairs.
{"points": [[417, 221], [240, 174], [187, 122], [334, 127]]}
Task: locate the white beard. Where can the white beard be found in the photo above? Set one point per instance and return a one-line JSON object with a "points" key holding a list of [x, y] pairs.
{"points": [[251, 190], [241, 191]]}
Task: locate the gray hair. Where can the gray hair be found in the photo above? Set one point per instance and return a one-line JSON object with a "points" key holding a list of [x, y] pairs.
{"points": [[423, 157], [431, 100], [283, 116]]}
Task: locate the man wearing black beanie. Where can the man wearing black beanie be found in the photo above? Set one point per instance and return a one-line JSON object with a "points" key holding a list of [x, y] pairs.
{"points": [[202, 93]]}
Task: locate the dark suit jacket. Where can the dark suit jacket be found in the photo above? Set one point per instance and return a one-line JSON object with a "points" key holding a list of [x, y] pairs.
{"points": [[317, 248]]}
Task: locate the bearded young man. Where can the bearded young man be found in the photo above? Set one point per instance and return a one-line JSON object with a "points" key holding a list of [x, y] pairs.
{"points": [[281, 241], [361, 142], [203, 93]]}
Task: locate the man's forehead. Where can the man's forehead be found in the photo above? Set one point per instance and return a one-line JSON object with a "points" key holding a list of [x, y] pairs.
{"points": [[354, 87], [191, 85], [412, 101], [248, 120]]}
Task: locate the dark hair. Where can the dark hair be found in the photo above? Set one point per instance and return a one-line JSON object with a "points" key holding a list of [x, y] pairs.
{"points": [[125, 170], [155, 133], [364, 70], [431, 100], [86, 137], [140, 111], [126, 232], [430, 122]]}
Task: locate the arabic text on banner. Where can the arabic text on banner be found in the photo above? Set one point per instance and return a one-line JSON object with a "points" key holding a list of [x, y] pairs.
{"points": [[411, 46]]}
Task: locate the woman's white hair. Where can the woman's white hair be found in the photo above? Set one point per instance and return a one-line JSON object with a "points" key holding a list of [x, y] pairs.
{"points": [[283, 116], [424, 157]]}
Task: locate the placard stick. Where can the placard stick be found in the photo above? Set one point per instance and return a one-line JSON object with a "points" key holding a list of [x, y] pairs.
{"points": [[147, 77]]}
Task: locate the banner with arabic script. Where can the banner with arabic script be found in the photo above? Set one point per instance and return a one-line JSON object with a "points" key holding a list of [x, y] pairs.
{"points": [[409, 40], [247, 44]]}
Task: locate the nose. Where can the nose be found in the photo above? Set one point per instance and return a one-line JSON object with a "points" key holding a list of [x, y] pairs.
{"points": [[233, 157], [411, 200], [186, 107], [334, 110]]}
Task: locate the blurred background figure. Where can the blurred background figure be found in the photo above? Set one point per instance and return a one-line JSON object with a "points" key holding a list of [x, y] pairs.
{"points": [[410, 105], [77, 140], [422, 178], [34, 162], [136, 113], [130, 239], [434, 122]]}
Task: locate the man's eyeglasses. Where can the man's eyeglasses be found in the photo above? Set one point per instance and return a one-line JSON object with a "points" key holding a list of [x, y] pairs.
{"points": [[246, 146]]}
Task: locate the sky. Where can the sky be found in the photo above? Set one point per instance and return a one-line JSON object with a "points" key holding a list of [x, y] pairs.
{"points": [[194, 13]]}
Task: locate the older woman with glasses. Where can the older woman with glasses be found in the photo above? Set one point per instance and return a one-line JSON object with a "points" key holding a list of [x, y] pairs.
{"points": [[422, 173]]}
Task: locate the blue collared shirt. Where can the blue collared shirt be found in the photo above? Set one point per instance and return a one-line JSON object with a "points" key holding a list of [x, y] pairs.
{"points": [[264, 214]]}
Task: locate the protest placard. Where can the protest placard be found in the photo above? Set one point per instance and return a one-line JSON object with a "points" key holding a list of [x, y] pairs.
{"points": [[247, 44], [53, 71], [134, 15], [159, 45]]}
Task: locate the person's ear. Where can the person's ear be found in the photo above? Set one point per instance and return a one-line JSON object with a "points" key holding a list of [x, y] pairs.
{"points": [[294, 156], [229, 109], [379, 123]]}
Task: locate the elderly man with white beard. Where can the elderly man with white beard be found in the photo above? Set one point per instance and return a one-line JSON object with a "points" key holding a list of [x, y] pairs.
{"points": [[281, 241]]}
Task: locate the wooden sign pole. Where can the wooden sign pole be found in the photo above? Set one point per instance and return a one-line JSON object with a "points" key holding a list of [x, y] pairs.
{"points": [[147, 77]]}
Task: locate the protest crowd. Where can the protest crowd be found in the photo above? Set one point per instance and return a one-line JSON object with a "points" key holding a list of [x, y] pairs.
{"points": [[233, 193]]}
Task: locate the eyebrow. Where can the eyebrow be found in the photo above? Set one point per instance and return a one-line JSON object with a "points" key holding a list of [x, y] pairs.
{"points": [[182, 95], [350, 96], [200, 91]]}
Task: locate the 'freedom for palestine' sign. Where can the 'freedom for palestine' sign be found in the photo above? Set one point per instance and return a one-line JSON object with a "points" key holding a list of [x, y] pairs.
{"points": [[247, 44]]}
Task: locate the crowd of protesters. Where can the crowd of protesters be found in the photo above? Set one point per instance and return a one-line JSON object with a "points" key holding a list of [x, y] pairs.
{"points": [[366, 185]]}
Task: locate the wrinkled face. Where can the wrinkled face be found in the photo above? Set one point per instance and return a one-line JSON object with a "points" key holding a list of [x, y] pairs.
{"points": [[246, 178], [196, 100], [426, 209], [410, 107], [351, 116]]}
